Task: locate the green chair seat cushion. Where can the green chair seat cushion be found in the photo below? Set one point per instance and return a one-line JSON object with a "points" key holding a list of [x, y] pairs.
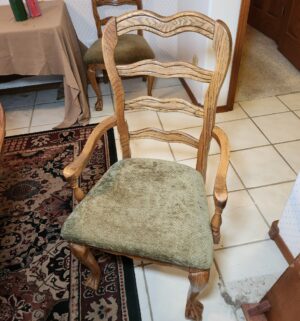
{"points": [[130, 48], [150, 208]]}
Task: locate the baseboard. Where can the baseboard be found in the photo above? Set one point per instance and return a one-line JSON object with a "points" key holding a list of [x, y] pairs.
{"points": [[35, 87], [41, 84]]}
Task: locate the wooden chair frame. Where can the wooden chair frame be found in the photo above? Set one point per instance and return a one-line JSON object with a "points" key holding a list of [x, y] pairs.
{"points": [[92, 68], [218, 32]]}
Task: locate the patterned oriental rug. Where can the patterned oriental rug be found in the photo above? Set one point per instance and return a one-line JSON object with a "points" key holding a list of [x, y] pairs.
{"points": [[39, 278]]}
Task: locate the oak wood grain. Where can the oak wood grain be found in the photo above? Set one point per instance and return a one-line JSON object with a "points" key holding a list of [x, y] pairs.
{"points": [[222, 45], [164, 105], [220, 187], [188, 21], [178, 69], [86, 257], [198, 282], [172, 136]]}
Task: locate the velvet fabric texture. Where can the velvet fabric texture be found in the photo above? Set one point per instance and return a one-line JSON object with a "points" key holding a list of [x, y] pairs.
{"points": [[130, 48], [151, 208]]}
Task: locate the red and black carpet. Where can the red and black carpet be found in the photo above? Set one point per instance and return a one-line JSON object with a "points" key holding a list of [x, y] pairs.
{"points": [[39, 277]]}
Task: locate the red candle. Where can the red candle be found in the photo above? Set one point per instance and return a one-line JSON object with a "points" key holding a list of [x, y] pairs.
{"points": [[33, 8]]}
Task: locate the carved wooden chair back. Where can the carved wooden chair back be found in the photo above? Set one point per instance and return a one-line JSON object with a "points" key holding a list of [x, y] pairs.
{"points": [[217, 31], [99, 3]]}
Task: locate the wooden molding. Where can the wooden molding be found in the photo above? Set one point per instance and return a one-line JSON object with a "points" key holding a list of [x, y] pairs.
{"points": [[238, 50], [275, 236]]}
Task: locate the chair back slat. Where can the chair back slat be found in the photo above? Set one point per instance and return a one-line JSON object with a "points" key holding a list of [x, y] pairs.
{"points": [[178, 69], [172, 136], [164, 105], [166, 26], [102, 21]]}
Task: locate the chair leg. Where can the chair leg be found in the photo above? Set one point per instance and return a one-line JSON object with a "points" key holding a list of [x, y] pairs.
{"points": [[198, 281], [217, 220], [91, 74], [85, 256], [150, 85]]}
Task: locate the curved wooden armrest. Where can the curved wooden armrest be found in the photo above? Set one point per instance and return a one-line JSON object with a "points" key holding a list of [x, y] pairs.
{"points": [[220, 188], [73, 170]]}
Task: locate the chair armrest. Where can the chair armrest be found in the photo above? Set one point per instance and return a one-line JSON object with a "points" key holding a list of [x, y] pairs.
{"points": [[220, 188], [73, 170]]}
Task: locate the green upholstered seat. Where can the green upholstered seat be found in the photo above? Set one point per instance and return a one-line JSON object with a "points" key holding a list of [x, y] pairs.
{"points": [[150, 208], [130, 48]]}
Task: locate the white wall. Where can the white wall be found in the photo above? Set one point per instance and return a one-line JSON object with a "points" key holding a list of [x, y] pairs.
{"points": [[184, 46], [229, 12], [195, 45]]}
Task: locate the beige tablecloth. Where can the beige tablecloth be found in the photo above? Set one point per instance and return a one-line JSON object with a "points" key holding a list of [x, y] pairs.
{"points": [[46, 45]]}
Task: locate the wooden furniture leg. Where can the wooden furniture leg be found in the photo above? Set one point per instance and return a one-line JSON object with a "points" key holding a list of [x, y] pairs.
{"points": [[217, 221], [91, 74], [150, 85], [85, 256], [198, 281]]}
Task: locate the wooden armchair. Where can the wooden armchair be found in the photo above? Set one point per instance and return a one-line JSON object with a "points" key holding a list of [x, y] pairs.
{"points": [[131, 48], [151, 208]]}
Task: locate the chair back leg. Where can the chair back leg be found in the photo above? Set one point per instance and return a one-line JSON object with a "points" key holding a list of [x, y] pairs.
{"points": [[150, 85]]}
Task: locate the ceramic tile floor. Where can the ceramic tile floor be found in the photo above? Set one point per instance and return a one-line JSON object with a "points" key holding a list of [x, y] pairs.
{"points": [[265, 143]]}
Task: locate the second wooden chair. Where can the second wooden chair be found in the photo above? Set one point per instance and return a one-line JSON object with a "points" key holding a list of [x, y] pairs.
{"points": [[131, 48]]}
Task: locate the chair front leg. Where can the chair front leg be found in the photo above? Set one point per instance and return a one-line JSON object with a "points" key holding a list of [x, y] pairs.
{"points": [[198, 280], [91, 74], [85, 256], [150, 85]]}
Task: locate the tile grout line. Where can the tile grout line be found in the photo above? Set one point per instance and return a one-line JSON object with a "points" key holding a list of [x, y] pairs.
{"points": [[249, 194], [285, 104], [273, 145], [148, 294], [256, 187], [247, 191], [292, 110], [242, 244]]}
